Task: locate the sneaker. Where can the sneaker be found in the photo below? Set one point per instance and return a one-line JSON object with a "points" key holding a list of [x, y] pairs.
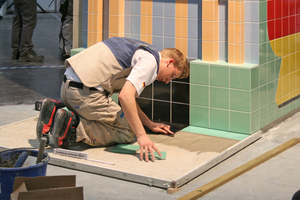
{"points": [[45, 121], [64, 129], [31, 56], [15, 54]]}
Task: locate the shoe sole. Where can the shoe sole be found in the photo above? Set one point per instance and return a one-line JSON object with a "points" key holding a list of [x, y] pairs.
{"points": [[45, 121], [27, 60], [61, 128]]}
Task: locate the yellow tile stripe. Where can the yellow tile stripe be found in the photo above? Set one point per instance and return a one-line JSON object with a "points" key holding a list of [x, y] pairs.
{"points": [[95, 21], [181, 26], [146, 20]]}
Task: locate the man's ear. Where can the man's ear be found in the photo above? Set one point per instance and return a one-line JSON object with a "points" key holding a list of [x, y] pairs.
{"points": [[171, 61]]}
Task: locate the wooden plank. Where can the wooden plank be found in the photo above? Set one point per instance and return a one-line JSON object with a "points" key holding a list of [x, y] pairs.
{"points": [[239, 170]]}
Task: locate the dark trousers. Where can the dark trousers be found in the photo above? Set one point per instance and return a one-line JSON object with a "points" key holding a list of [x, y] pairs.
{"points": [[24, 22], [2, 2]]}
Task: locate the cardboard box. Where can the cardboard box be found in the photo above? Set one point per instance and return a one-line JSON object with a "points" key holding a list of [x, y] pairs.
{"points": [[46, 188]]}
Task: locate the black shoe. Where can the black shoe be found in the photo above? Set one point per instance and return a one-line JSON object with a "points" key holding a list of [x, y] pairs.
{"points": [[1, 17], [15, 54], [64, 129], [31, 56], [46, 118]]}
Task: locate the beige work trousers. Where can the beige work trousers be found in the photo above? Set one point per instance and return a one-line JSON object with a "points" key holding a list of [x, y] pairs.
{"points": [[102, 121]]}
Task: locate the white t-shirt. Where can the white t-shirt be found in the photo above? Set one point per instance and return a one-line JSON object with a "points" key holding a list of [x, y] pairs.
{"points": [[143, 73], [144, 70]]}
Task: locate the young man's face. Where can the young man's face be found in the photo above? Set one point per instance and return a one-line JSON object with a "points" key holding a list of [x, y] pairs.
{"points": [[168, 72]]}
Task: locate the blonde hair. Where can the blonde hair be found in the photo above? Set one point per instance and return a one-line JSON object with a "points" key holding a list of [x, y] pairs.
{"points": [[180, 60]]}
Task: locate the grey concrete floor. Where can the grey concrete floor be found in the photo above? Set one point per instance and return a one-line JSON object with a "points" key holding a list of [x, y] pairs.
{"points": [[277, 178]]}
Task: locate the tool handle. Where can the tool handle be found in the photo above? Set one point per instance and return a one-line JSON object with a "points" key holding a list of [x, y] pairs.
{"points": [[22, 158], [41, 150]]}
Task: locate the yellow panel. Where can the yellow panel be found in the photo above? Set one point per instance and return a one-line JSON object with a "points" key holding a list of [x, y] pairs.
{"points": [[121, 26], [279, 92], [286, 85], [90, 6], [149, 25], [207, 51], [231, 8], [207, 30], [113, 24], [95, 24], [238, 33], [149, 8], [231, 32], [297, 92], [297, 58], [185, 8], [178, 9], [239, 51], [285, 98], [285, 65], [143, 25], [231, 53], [100, 22], [293, 94], [208, 10], [298, 79], [185, 28], [293, 81], [278, 47], [184, 48], [216, 31], [286, 45], [279, 101], [178, 43], [90, 39], [237, 12], [292, 58], [121, 7], [292, 43], [114, 7], [143, 7], [90, 22], [243, 11], [297, 41], [99, 37], [99, 6], [216, 51], [178, 27]]}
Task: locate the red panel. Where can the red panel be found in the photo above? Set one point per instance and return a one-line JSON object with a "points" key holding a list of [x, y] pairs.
{"points": [[292, 28], [271, 28], [278, 9], [285, 8], [285, 29], [270, 9], [292, 6], [278, 28], [297, 7], [297, 23]]}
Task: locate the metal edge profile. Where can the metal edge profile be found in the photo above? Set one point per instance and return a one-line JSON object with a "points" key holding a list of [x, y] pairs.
{"points": [[216, 160], [161, 183]]}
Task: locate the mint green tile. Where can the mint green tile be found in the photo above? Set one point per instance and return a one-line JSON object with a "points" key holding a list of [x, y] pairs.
{"points": [[240, 100], [162, 157], [263, 12], [254, 99], [263, 116], [115, 97], [286, 109], [271, 54], [214, 132], [240, 78], [272, 86], [199, 95], [199, 116], [199, 73], [194, 129], [255, 122], [263, 74], [277, 67], [293, 105], [271, 71], [263, 95], [240, 122], [263, 33], [219, 119], [76, 51], [272, 112], [279, 112], [236, 136], [263, 52], [219, 97], [254, 77], [219, 76], [125, 148]]}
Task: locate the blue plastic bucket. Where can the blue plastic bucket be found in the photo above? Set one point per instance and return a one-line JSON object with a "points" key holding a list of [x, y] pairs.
{"points": [[8, 173]]}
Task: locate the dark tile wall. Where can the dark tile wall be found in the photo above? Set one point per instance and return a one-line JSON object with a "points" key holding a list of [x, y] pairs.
{"points": [[167, 102]]}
